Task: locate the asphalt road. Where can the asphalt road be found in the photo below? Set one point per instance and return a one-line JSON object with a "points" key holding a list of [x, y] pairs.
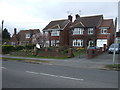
{"points": [[28, 75]]}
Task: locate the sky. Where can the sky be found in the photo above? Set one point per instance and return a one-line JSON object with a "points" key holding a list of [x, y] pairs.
{"points": [[36, 14]]}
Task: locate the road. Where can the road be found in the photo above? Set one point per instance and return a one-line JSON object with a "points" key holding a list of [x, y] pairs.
{"points": [[45, 75]]}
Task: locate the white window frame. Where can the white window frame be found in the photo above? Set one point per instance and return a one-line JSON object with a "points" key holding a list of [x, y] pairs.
{"points": [[103, 30], [90, 42], [55, 42], [55, 33], [78, 42], [78, 31], [46, 33], [13, 43], [90, 30], [27, 35], [47, 43]]}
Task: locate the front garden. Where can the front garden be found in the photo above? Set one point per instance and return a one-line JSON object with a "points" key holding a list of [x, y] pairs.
{"points": [[63, 52]]}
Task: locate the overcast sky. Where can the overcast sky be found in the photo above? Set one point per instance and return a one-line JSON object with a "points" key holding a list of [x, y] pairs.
{"points": [[36, 14]]}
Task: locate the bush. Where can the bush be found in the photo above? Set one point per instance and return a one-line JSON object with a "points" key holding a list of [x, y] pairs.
{"points": [[30, 46], [7, 49], [18, 47]]}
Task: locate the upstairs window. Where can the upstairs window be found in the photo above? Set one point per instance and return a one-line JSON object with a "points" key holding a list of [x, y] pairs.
{"points": [[103, 30], [27, 35], [78, 31], [90, 30], [55, 33]]}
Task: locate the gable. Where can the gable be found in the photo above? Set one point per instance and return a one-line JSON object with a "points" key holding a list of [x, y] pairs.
{"points": [[58, 24]]}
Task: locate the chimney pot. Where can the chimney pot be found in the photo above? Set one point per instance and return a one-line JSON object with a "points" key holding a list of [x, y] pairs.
{"points": [[70, 18], [15, 31], [77, 16]]}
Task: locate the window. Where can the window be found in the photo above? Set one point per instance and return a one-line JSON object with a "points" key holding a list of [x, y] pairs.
{"points": [[91, 43], [54, 42], [104, 31], [13, 43], [90, 30], [46, 43], [27, 35], [46, 33], [78, 42], [78, 31], [55, 33]]}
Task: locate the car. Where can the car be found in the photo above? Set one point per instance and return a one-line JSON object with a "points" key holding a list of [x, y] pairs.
{"points": [[112, 46]]}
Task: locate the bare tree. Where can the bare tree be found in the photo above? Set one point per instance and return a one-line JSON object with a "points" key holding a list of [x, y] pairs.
{"points": [[40, 38]]}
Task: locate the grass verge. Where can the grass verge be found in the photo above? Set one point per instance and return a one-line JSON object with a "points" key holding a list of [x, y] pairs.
{"points": [[113, 66], [26, 60]]}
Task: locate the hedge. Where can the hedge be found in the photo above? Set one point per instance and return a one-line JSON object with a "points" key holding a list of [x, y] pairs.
{"points": [[7, 48], [18, 47]]}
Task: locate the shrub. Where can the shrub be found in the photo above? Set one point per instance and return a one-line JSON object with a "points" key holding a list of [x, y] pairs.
{"points": [[19, 47], [80, 49], [30, 46], [7, 49]]}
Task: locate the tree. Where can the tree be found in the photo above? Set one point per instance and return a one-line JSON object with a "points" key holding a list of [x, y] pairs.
{"points": [[5, 36], [40, 39]]}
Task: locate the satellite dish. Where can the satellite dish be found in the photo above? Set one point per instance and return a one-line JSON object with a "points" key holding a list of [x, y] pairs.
{"points": [[37, 45]]}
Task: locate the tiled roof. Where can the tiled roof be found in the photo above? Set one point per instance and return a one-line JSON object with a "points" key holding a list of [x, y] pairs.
{"points": [[106, 22], [21, 36], [89, 21], [57, 24]]}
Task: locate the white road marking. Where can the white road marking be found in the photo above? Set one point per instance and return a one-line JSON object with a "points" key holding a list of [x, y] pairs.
{"points": [[50, 64], [3, 68], [55, 75]]}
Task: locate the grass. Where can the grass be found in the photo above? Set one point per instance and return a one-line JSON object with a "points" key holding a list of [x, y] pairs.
{"points": [[25, 60], [113, 66], [47, 57]]}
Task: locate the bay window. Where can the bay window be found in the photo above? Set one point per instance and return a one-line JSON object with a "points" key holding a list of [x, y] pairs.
{"points": [[78, 42]]}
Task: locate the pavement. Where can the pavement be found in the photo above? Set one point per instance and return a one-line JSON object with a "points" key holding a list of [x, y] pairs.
{"points": [[80, 61]]}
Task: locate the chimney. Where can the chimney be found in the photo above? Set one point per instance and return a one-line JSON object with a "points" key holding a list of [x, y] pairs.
{"points": [[77, 16], [15, 31], [70, 18]]}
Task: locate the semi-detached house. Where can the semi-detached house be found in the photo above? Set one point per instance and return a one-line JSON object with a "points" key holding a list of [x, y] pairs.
{"points": [[92, 30], [58, 32], [83, 32]]}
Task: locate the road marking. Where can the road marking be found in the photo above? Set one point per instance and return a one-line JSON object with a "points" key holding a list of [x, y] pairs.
{"points": [[50, 64], [55, 75], [3, 68]]}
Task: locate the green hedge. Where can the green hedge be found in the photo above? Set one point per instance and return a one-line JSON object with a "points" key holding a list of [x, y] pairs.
{"points": [[30, 46], [19, 47], [7, 48]]}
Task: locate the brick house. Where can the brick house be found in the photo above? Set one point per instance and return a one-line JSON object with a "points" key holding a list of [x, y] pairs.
{"points": [[118, 37], [106, 33], [58, 32], [24, 37], [91, 30]]}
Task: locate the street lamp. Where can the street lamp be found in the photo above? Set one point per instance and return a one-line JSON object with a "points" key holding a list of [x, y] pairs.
{"points": [[114, 40], [2, 24]]}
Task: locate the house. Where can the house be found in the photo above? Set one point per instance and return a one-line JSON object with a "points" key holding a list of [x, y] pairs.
{"points": [[58, 32], [91, 31], [24, 37], [106, 33], [118, 37]]}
